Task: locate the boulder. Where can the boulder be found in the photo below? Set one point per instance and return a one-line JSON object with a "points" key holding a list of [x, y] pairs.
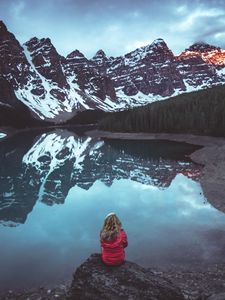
{"points": [[95, 281]]}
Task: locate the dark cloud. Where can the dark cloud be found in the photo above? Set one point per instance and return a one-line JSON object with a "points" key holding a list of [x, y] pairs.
{"points": [[117, 27]]}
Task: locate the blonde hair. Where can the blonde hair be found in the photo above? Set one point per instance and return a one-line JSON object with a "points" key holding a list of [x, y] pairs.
{"points": [[111, 227]]}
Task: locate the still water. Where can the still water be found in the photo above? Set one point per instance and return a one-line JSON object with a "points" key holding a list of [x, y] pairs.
{"points": [[57, 186]]}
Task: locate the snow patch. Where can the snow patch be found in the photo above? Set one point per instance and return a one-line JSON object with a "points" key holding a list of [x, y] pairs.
{"points": [[2, 135], [221, 72]]}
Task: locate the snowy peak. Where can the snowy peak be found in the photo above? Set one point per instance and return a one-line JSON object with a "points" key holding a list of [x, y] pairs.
{"points": [[13, 63], [202, 47], [3, 28], [159, 43], [46, 60], [76, 54], [5, 34], [100, 58], [160, 46], [73, 61], [99, 54], [208, 53], [145, 73], [7, 37], [89, 77], [35, 45], [155, 52]]}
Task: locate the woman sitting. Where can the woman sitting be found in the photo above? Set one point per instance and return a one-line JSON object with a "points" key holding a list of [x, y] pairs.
{"points": [[113, 241]]}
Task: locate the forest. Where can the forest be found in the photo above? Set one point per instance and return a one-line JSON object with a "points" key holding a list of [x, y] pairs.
{"points": [[201, 113]]}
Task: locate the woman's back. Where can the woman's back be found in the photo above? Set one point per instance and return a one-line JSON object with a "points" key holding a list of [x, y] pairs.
{"points": [[113, 241]]}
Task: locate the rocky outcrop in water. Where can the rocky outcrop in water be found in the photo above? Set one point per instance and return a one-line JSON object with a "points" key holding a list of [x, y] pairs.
{"points": [[95, 281]]}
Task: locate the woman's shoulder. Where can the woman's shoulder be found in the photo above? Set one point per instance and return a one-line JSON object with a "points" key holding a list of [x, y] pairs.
{"points": [[123, 232]]}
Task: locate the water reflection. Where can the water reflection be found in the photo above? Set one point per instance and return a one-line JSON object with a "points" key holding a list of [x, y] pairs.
{"points": [[152, 186], [172, 225], [47, 168]]}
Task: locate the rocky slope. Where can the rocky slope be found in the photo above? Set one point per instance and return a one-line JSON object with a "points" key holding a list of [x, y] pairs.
{"points": [[55, 88]]}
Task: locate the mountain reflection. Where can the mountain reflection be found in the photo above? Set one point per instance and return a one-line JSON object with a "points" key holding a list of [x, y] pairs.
{"points": [[46, 167]]}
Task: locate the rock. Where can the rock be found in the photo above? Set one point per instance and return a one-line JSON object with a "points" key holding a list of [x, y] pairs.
{"points": [[220, 296], [46, 60], [213, 178], [93, 280]]}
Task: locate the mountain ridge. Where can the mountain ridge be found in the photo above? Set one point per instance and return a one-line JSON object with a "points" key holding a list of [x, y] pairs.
{"points": [[55, 88]]}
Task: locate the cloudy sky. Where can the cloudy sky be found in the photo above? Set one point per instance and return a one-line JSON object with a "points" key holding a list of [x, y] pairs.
{"points": [[117, 26]]}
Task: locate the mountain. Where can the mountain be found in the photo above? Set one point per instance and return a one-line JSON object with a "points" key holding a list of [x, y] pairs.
{"points": [[44, 167], [208, 53], [55, 88]]}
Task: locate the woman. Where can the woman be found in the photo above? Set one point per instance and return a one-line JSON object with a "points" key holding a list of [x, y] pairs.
{"points": [[113, 241]]}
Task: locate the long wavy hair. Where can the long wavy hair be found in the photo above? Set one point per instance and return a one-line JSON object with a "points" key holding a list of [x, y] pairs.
{"points": [[111, 227]]}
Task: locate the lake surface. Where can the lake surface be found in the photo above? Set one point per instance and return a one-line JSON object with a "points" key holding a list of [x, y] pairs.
{"points": [[56, 188]]}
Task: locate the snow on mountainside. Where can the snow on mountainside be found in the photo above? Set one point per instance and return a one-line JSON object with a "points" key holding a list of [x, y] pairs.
{"points": [[2, 135], [55, 88]]}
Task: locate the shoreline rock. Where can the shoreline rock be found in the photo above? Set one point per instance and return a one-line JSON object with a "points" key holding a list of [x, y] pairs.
{"points": [[196, 282], [58, 292], [95, 281], [211, 156]]}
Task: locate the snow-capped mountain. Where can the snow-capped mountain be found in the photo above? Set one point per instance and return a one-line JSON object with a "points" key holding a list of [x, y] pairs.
{"points": [[47, 168], [55, 88], [208, 53]]}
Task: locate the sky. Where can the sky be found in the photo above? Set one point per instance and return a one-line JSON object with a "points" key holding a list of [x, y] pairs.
{"points": [[117, 26]]}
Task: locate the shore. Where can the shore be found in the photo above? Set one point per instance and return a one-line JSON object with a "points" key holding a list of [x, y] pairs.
{"points": [[58, 292], [195, 282], [211, 156]]}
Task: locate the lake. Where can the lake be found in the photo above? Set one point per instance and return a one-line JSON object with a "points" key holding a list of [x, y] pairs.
{"points": [[57, 186]]}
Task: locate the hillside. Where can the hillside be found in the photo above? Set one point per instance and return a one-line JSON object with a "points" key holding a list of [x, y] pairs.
{"points": [[200, 112]]}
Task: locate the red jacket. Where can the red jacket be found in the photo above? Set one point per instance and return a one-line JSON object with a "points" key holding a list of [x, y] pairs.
{"points": [[113, 250]]}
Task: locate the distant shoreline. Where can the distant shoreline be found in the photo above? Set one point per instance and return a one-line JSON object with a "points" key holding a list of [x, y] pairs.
{"points": [[211, 156], [10, 131]]}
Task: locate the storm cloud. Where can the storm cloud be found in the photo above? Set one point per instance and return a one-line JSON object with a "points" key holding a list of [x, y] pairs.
{"points": [[117, 27]]}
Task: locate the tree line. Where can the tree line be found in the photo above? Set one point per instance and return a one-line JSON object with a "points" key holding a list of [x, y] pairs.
{"points": [[201, 112]]}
